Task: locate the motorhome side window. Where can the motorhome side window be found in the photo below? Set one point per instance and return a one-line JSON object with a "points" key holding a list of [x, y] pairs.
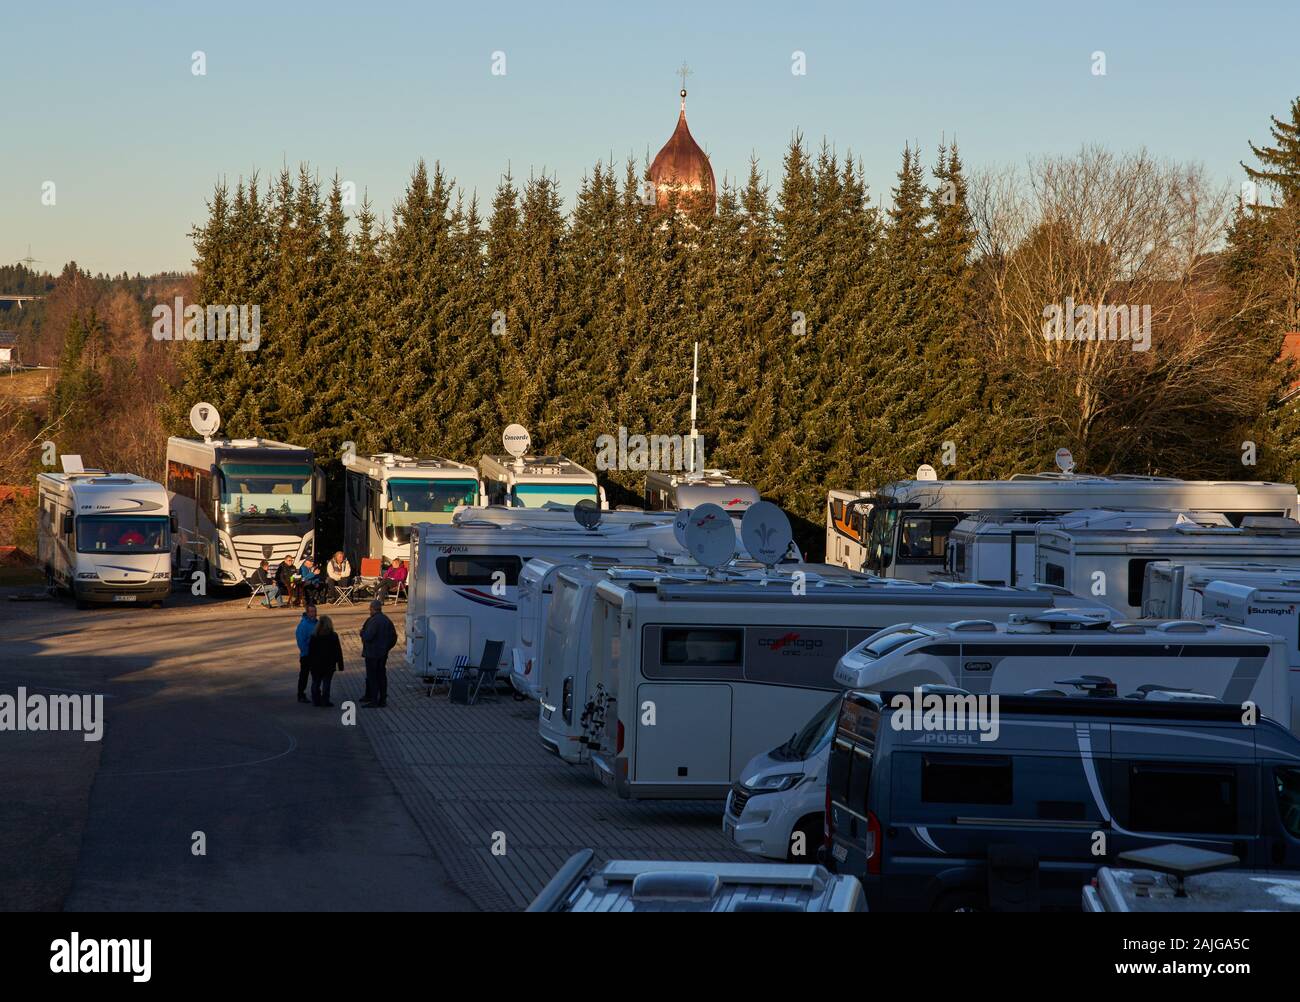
{"points": [[924, 537], [180, 479], [479, 570], [1190, 798], [1055, 575], [965, 779], [1288, 799], [694, 645]]}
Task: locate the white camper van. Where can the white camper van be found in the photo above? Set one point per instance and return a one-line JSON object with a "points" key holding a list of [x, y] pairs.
{"points": [[104, 537], [531, 481], [464, 577], [847, 514], [1173, 589], [690, 680], [666, 491], [1105, 553], [240, 501], [385, 494], [908, 522], [996, 548], [1063, 650]]}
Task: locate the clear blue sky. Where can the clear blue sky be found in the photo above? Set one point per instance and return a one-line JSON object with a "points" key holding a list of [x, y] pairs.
{"points": [[103, 102]]}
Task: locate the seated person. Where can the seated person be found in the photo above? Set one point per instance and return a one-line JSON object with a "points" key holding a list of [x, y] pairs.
{"points": [[393, 578], [268, 580], [339, 572], [285, 574], [310, 581]]}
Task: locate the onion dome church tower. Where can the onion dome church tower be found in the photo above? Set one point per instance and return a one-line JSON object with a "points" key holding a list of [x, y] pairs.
{"points": [[682, 167]]}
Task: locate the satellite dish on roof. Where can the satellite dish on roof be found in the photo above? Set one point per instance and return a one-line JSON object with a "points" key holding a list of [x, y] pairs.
{"points": [[1065, 460], [586, 513], [516, 440], [765, 531], [926, 472], [710, 536], [679, 527], [205, 419]]}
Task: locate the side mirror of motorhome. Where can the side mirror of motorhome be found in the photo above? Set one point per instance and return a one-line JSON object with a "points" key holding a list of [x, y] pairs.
{"points": [[319, 480], [173, 524], [67, 525]]}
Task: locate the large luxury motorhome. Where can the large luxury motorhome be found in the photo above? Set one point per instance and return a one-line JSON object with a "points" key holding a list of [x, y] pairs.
{"points": [[386, 494], [689, 680], [1062, 649], [241, 501], [1105, 554], [531, 481], [104, 537], [908, 522], [667, 491]]}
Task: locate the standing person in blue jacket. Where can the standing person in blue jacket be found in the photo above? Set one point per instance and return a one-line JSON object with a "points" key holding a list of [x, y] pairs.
{"points": [[306, 627]]}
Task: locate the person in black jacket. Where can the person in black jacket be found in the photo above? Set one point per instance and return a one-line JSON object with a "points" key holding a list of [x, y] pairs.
{"points": [[284, 572], [325, 656], [263, 576], [378, 637]]}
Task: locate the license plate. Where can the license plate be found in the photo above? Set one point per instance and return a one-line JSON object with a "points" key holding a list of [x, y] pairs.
{"points": [[123, 598]]}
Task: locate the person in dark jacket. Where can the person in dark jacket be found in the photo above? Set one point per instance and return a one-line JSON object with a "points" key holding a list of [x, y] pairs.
{"points": [[263, 576], [284, 572], [378, 637], [325, 656], [302, 634]]}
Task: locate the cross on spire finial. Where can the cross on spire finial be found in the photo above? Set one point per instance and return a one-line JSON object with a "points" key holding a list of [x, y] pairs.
{"points": [[683, 71]]}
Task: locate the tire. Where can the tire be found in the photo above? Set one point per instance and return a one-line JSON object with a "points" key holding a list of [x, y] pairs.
{"points": [[813, 831], [967, 900]]}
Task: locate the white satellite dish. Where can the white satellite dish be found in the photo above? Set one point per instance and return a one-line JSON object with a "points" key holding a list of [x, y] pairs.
{"points": [[765, 531], [679, 526], [1065, 460], [710, 536], [205, 419], [926, 472], [516, 440], [586, 514]]}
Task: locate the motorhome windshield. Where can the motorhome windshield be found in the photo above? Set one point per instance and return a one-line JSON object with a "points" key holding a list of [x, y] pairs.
{"points": [[880, 550], [817, 733], [536, 495], [123, 534], [413, 500], [264, 492]]}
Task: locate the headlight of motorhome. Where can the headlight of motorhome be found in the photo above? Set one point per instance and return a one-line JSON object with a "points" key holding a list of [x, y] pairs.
{"points": [[87, 576], [221, 548], [774, 784]]}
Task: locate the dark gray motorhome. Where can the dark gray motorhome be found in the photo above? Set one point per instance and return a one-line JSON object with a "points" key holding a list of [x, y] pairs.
{"points": [[931, 814]]}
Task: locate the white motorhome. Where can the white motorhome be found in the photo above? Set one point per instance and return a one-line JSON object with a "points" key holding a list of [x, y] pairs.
{"points": [[1173, 589], [995, 548], [240, 501], [1105, 553], [847, 514], [385, 494], [104, 537], [532, 481], [667, 491], [1063, 649], [464, 577], [690, 680], [1271, 608], [908, 522]]}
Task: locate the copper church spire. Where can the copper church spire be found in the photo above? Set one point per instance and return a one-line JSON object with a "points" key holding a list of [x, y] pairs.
{"points": [[681, 166]]}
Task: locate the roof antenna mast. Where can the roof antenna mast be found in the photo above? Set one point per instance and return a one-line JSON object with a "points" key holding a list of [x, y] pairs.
{"points": [[696, 459]]}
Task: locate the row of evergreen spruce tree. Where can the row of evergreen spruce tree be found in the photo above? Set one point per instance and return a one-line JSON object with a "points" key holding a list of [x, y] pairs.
{"points": [[834, 337]]}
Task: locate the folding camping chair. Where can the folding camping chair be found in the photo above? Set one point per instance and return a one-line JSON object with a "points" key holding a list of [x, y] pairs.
{"points": [[368, 583], [256, 590], [342, 591], [486, 672]]}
